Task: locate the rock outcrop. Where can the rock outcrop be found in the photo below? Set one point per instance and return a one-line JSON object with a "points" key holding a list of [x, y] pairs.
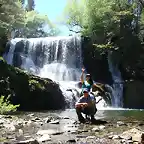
{"points": [[31, 92], [134, 94]]}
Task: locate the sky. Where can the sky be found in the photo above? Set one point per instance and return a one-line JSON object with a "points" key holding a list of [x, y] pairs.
{"points": [[53, 9]]}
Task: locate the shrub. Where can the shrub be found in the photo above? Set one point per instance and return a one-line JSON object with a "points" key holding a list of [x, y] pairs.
{"points": [[6, 106]]}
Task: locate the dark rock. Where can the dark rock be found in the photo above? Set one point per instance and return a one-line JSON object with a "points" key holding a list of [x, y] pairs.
{"points": [[81, 136], [55, 122], [57, 133], [133, 95], [99, 122], [141, 124], [110, 137], [31, 92], [47, 120], [91, 55], [142, 138], [8, 116], [71, 141], [81, 131]]}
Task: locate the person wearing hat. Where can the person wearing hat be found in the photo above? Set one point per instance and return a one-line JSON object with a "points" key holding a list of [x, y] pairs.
{"points": [[88, 83], [87, 105]]}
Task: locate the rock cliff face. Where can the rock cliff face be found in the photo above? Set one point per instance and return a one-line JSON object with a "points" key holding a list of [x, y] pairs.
{"points": [[95, 63], [134, 95], [31, 92]]}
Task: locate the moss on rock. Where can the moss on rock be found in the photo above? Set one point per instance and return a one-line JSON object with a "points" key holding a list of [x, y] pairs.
{"points": [[31, 92]]}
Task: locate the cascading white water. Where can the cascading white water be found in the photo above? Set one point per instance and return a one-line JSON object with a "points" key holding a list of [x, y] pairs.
{"points": [[117, 88], [57, 58]]}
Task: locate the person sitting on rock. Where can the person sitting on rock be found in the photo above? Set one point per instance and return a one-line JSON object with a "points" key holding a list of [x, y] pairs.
{"points": [[88, 83], [87, 105]]}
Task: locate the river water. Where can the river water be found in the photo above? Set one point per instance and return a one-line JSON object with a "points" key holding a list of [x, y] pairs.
{"points": [[108, 114]]}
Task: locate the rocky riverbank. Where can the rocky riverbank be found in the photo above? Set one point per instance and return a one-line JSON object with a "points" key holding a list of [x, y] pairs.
{"points": [[54, 129]]}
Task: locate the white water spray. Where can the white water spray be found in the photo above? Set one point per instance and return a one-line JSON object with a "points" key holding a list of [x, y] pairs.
{"points": [[57, 58], [117, 88]]}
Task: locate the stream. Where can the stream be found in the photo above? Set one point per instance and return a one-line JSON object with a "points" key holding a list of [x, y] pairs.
{"points": [[62, 127]]}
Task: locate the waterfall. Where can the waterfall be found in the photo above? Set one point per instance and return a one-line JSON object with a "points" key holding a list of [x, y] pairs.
{"points": [[117, 87], [57, 58]]}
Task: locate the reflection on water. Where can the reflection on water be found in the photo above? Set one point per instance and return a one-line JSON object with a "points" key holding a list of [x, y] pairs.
{"points": [[67, 124], [111, 114]]}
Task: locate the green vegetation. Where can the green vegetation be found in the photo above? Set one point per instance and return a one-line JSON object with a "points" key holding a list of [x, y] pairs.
{"points": [[6, 106], [24, 20], [112, 25], [35, 85]]}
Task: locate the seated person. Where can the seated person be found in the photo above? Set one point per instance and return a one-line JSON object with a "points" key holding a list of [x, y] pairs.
{"points": [[87, 105], [88, 83]]}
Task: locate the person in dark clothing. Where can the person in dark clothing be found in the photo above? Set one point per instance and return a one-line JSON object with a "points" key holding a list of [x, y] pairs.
{"points": [[87, 105]]}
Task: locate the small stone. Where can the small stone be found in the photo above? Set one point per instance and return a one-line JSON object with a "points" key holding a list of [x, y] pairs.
{"points": [[141, 124], [11, 127], [71, 141], [126, 137], [29, 123], [81, 136], [47, 120], [142, 138], [36, 119], [44, 138], [116, 137], [120, 123], [130, 141], [55, 122], [2, 121], [90, 137], [73, 131], [123, 141], [30, 141], [81, 131], [96, 129], [65, 117], [21, 132], [8, 116], [110, 137], [101, 127], [49, 132], [30, 115], [134, 133]]}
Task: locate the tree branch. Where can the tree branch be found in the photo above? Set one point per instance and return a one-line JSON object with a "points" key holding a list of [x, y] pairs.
{"points": [[74, 31]]}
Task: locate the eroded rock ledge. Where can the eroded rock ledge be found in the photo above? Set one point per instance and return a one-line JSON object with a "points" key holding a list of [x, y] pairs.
{"points": [[31, 92]]}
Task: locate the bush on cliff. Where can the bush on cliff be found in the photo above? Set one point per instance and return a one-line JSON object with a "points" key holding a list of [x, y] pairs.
{"points": [[31, 92], [6, 106], [112, 25]]}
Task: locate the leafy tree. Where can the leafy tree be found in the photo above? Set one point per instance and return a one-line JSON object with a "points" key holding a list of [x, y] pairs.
{"points": [[37, 25], [11, 15], [112, 25]]}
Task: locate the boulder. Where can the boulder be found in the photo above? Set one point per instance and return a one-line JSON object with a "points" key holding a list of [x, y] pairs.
{"points": [[31, 92], [134, 94]]}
